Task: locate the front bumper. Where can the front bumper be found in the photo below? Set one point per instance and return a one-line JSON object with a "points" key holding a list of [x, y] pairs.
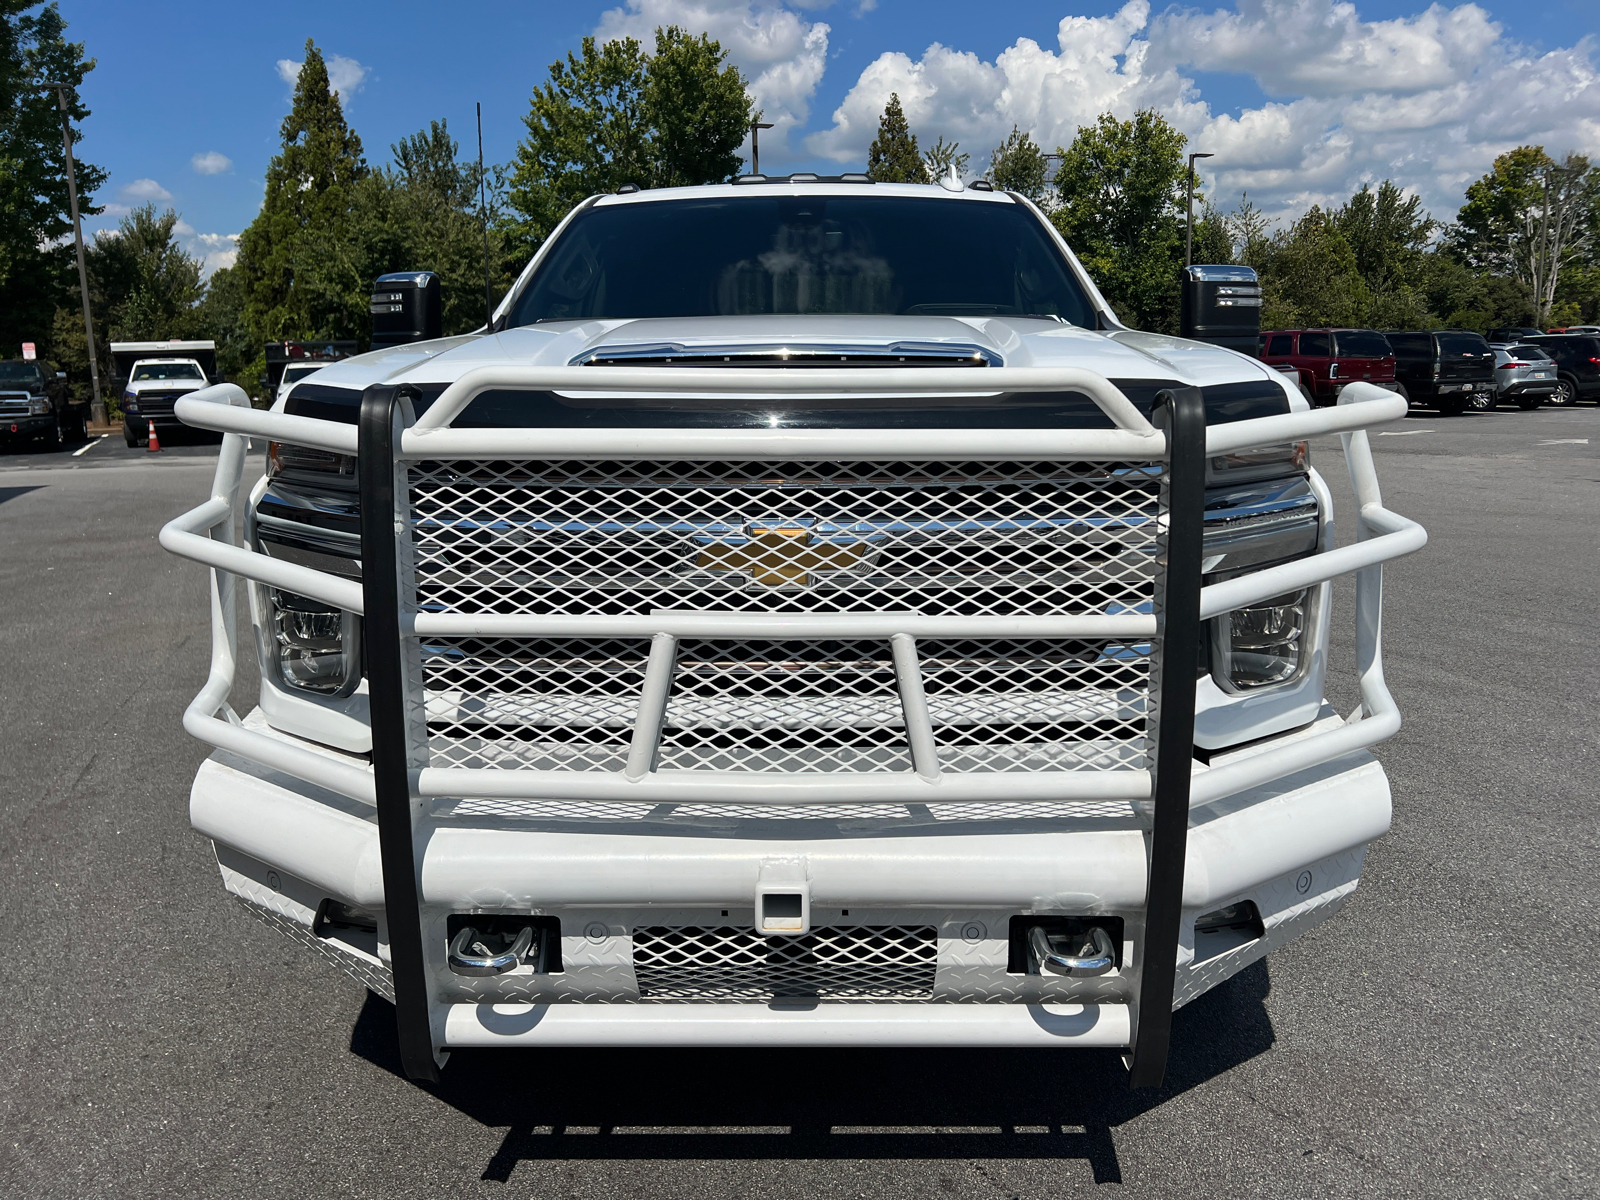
{"points": [[27, 427], [1293, 849]]}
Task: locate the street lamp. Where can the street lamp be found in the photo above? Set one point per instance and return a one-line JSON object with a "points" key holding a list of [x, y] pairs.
{"points": [[1188, 236], [755, 144], [97, 409]]}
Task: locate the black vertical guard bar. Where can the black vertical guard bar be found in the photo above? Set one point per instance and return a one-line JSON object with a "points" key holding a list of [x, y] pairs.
{"points": [[1177, 610], [386, 685]]}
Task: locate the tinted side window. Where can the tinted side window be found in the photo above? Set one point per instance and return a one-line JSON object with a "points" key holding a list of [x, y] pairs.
{"points": [[1411, 345], [1315, 345], [1282, 343]]}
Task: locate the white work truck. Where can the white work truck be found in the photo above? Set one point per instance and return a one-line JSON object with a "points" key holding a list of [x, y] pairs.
{"points": [[805, 616], [155, 376]]}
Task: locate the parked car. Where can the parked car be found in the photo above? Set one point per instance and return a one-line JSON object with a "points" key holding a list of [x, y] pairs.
{"points": [[1507, 337], [1577, 357], [1525, 374], [36, 405], [1576, 329], [1324, 360], [1445, 369]]}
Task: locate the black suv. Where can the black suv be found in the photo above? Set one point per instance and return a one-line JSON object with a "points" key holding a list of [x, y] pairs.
{"points": [[1504, 337], [1577, 358], [1445, 369], [36, 405]]}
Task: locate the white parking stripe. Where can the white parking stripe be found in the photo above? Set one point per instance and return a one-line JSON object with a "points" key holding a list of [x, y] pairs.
{"points": [[1403, 432], [1565, 442], [87, 446]]}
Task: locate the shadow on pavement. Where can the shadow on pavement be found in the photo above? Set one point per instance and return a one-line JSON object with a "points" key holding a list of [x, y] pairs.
{"points": [[686, 1104], [11, 493]]}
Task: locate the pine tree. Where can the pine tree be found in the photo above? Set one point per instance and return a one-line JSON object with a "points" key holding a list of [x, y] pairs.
{"points": [[1018, 165], [303, 278], [893, 156]]}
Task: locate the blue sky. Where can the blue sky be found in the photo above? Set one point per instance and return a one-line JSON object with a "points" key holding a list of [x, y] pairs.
{"points": [[1301, 99]]}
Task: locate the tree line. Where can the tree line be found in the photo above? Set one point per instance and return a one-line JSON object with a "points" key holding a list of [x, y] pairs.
{"points": [[1521, 250]]}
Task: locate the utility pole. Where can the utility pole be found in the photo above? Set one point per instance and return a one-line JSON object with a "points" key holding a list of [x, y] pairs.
{"points": [[1188, 236], [755, 144], [97, 408]]}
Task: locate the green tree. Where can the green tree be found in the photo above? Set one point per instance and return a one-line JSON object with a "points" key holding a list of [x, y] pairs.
{"points": [[942, 156], [1531, 218], [1312, 278], [37, 268], [615, 115], [893, 155], [220, 316], [306, 275], [1018, 165], [1121, 188], [698, 111], [428, 218]]}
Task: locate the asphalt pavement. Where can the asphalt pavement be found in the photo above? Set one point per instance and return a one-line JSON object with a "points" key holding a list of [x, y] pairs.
{"points": [[1437, 1038]]}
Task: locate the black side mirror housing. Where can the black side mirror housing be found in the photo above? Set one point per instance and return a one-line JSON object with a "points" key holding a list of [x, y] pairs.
{"points": [[1222, 305], [407, 306]]}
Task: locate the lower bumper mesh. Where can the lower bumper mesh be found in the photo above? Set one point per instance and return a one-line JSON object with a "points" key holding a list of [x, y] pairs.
{"points": [[706, 963]]}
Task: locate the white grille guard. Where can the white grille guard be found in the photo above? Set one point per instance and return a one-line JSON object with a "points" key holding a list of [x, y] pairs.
{"points": [[208, 535]]}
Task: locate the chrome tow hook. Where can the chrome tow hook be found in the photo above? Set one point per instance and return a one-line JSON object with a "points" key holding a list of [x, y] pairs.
{"points": [[469, 956], [1076, 955]]}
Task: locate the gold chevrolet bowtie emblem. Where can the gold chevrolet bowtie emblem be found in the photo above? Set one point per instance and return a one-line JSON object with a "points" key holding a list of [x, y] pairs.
{"points": [[778, 554]]}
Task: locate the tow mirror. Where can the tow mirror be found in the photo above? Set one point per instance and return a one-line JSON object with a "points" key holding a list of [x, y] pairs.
{"points": [[1222, 305], [407, 306]]}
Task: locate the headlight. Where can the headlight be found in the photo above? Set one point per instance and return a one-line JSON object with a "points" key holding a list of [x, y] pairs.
{"points": [[318, 647], [1262, 645], [39, 406], [130, 402], [284, 458], [1265, 462]]}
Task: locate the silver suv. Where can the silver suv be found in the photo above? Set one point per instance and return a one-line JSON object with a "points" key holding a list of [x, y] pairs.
{"points": [[1525, 374]]}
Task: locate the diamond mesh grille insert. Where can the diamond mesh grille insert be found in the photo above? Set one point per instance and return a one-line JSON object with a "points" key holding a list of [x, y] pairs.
{"points": [[868, 962], [970, 539], [937, 538], [785, 706], [561, 704]]}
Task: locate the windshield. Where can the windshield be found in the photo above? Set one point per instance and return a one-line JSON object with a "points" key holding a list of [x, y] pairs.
{"points": [[1462, 345], [746, 255], [291, 374], [1361, 343], [166, 371], [20, 372]]}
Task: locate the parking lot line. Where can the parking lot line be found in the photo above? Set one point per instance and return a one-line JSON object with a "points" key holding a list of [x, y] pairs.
{"points": [[87, 446], [1402, 432], [1565, 442]]}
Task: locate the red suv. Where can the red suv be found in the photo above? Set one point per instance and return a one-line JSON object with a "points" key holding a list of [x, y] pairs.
{"points": [[1327, 359]]}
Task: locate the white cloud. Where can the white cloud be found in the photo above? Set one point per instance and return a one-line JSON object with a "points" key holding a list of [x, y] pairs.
{"points": [[1427, 100], [346, 76], [211, 163], [781, 54], [143, 191], [214, 250]]}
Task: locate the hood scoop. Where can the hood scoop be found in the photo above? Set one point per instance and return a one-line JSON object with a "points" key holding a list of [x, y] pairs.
{"points": [[790, 354]]}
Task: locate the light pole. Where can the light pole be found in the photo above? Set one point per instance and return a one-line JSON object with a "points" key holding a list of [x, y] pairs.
{"points": [[1188, 236], [97, 408], [755, 144]]}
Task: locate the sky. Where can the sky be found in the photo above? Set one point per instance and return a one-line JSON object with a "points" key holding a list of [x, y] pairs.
{"points": [[1300, 101]]}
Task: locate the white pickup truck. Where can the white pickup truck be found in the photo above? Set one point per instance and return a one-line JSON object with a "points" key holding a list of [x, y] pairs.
{"points": [[157, 375], [806, 616]]}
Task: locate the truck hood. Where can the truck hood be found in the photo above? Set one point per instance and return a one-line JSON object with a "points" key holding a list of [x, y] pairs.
{"points": [[1025, 342], [166, 385]]}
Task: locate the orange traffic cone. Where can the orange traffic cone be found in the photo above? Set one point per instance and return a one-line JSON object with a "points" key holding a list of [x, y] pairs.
{"points": [[155, 442]]}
